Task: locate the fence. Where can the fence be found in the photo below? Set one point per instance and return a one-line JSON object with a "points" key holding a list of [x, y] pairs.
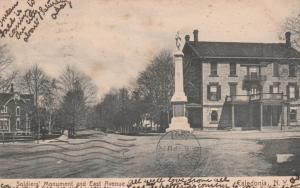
{"points": [[14, 137]]}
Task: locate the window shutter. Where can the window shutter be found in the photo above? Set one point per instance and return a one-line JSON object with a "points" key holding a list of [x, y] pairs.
{"points": [[296, 91], [219, 92], [271, 89], [288, 91], [208, 92]]}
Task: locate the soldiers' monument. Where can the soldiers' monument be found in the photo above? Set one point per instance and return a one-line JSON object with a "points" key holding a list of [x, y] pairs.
{"points": [[179, 99]]}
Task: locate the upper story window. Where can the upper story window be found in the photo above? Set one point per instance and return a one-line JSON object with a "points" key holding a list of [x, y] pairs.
{"points": [[253, 72], [232, 88], [292, 91], [214, 92], [232, 69], [4, 109], [213, 69], [275, 69], [275, 87], [18, 110], [292, 70]]}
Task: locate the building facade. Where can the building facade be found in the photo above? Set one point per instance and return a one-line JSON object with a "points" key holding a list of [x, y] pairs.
{"points": [[15, 112], [232, 85]]}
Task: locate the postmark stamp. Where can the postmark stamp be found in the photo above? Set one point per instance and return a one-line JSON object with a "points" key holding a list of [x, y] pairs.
{"points": [[178, 153]]}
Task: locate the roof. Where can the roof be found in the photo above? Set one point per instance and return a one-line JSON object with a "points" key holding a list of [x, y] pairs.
{"points": [[205, 49], [4, 97]]}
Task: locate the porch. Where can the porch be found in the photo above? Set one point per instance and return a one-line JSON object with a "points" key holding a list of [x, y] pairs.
{"points": [[258, 111]]}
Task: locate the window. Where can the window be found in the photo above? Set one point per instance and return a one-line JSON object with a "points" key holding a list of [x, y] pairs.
{"points": [[292, 91], [293, 114], [292, 70], [253, 71], [213, 69], [274, 88], [275, 69], [232, 71], [214, 116], [232, 89], [213, 92], [18, 111], [4, 109], [3, 124], [18, 124]]}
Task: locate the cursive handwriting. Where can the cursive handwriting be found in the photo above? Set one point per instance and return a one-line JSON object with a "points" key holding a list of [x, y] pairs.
{"points": [[21, 23], [191, 182], [295, 179]]}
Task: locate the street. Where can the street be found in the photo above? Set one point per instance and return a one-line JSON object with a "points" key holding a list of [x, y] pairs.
{"points": [[235, 153]]}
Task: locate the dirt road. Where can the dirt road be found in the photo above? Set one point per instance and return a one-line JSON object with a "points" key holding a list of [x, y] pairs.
{"points": [[222, 154]]}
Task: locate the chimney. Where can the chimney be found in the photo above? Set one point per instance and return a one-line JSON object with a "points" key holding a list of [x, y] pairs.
{"points": [[12, 88], [288, 39], [195, 36], [187, 38]]}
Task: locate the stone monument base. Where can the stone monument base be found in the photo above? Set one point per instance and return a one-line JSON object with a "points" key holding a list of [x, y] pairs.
{"points": [[179, 123]]}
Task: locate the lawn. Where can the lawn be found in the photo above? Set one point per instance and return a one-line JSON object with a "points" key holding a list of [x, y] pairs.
{"points": [[222, 154]]}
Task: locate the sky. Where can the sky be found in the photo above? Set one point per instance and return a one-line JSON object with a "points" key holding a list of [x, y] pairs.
{"points": [[113, 40]]}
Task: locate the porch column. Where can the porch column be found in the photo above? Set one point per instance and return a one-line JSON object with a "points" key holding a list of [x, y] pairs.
{"points": [[283, 116], [250, 116], [261, 116], [232, 117], [287, 116]]}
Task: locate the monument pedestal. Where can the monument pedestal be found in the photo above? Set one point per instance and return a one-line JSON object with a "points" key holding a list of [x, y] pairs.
{"points": [[179, 123], [179, 99]]}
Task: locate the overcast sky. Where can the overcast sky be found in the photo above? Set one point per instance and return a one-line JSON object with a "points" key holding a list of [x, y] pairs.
{"points": [[113, 40]]}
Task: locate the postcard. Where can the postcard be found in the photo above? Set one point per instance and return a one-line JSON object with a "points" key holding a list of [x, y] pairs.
{"points": [[169, 93]]}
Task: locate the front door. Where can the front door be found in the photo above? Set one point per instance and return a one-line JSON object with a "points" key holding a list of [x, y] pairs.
{"points": [[253, 91]]}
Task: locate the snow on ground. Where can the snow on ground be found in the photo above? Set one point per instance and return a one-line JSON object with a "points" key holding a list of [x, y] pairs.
{"points": [[234, 153]]}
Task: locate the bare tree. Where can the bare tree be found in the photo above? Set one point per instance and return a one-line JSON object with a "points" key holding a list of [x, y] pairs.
{"points": [[50, 102], [6, 59], [35, 81], [68, 78], [292, 24]]}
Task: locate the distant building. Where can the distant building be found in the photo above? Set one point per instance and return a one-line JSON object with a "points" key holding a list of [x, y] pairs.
{"points": [[15, 112], [234, 85]]}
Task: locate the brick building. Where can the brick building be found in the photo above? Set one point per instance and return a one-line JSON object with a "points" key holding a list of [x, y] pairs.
{"points": [[15, 112], [233, 85]]}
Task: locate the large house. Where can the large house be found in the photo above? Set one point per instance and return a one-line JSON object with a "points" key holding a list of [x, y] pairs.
{"points": [[15, 112], [234, 85]]}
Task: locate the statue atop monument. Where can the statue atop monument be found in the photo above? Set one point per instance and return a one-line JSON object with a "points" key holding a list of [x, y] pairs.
{"points": [[178, 40]]}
